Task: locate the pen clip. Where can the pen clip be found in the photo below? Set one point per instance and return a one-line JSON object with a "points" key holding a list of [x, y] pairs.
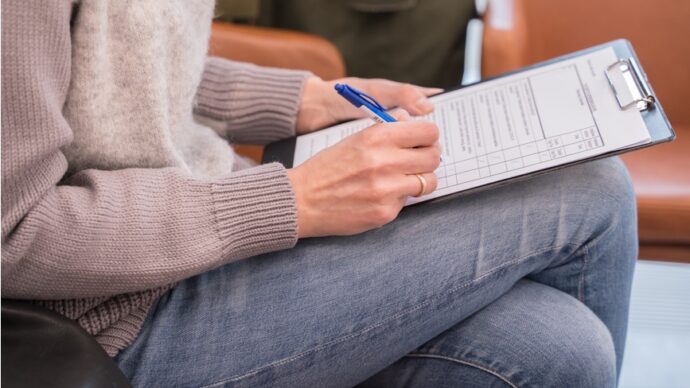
{"points": [[367, 97]]}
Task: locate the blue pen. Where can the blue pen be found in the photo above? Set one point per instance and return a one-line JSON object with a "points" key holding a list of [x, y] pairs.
{"points": [[364, 102]]}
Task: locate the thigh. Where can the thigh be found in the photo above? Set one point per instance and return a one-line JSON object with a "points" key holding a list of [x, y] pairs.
{"points": [[533, 336], [333, 311]]}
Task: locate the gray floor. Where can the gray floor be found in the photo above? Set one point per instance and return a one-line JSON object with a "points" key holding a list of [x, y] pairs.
{"points": [[658, 348]]}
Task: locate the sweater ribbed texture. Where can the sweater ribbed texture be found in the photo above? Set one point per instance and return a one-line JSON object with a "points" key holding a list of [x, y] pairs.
{"points": [[111, 191], [255, 108]]}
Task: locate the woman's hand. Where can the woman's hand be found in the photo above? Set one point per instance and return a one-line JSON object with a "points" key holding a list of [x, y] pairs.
{"points": [[362, 182], [321, 106]]}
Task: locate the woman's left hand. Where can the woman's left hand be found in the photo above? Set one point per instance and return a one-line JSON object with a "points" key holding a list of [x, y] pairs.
{"points": [[321, 105]]}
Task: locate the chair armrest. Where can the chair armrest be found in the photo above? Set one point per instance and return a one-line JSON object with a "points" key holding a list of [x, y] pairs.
{"points": [[505, 38], [277, 48], [43, 349]]}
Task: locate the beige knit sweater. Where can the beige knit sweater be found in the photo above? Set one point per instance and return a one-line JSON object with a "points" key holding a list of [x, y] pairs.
{"points": [[112, 190]]}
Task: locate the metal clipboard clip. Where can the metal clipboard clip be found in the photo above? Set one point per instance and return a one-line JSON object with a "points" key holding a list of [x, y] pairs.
{"points": [[628, 85]]}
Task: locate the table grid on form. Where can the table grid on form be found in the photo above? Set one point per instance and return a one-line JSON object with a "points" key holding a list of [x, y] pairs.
{"points": [[497, 130]]}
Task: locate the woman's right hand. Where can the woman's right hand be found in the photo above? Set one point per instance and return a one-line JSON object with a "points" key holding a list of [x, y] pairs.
{"points": [[363, 181]]}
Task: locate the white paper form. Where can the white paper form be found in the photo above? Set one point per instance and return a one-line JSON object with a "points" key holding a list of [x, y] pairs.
{"points": [[517, 124]]}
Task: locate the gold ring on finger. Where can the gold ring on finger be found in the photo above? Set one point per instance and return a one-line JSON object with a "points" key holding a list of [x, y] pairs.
{"points": [[423, 182]]}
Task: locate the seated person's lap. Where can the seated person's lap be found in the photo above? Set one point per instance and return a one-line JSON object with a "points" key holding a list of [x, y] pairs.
{"points": [[344, 308]]}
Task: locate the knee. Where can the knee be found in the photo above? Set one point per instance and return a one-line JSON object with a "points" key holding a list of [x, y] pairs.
{"points": [[610, 185], [557, 341], [590, 361], [578, 346], [607, 200], [533, 336]]}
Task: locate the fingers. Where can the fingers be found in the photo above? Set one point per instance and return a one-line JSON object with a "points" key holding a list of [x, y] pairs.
{"points": [[395, 94], [400, 114], [413, 98], [431, 91], [415, 160], [409, 134], [417, 185]]}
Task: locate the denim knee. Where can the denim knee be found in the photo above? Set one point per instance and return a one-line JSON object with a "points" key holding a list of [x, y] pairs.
{"points": [[610, 208], [533, 336], [591, 362], [570, 345], [612, 193]]}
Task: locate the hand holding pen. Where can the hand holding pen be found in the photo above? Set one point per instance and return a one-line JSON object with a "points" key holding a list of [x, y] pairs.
{"points": [[372, 108], [363, 181], [321, 107]]}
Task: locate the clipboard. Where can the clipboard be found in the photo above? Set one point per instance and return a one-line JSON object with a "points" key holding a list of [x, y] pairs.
{"points": [[629, 87]]}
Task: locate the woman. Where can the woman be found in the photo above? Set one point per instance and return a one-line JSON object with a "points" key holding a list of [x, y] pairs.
{"points": [[124, 209]]}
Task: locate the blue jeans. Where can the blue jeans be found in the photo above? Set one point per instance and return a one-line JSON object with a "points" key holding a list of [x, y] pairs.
{"points": [[525, 285]]}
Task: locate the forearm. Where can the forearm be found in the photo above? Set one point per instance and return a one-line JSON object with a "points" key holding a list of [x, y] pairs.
{"points": [[106, 233], [247, 103]]}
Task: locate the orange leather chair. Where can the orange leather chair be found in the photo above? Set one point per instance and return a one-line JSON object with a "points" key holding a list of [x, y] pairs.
{"points": [[528, 31]]}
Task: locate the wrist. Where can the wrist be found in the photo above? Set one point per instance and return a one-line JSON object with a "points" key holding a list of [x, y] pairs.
{"points": [[296, 181], [312, 113]]}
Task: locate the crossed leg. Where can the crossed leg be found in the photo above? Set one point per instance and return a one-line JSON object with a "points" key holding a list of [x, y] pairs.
{"points": [[533, 336]]}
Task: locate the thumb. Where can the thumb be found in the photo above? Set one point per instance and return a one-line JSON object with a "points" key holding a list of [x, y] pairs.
{"points": [[400, 114]]}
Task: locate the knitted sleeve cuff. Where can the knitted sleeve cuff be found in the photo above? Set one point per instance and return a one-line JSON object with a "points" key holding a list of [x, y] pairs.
{"points": [[255, 211], [247, 103]]}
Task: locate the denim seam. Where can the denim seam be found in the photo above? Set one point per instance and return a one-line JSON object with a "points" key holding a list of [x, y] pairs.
{"points": [[583, 272], [386, 320], [465, 362]]}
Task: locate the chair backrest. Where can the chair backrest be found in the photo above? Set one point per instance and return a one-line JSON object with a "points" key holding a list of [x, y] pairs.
{"points": [[277, 48], [520, 32]]}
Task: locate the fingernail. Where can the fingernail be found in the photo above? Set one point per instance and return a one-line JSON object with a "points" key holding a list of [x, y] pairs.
{"points": [[433, 90], [424, 105]]}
